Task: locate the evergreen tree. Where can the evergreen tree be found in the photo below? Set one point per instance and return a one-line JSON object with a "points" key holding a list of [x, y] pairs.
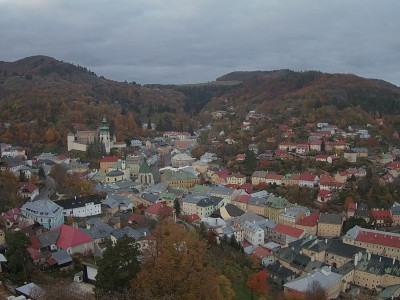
{"points": [[177, 207], [41, 173], [17, 254], [118, 266]]}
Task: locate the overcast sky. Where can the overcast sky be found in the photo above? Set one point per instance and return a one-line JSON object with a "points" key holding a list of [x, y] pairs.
{"points": [[188, 41]]}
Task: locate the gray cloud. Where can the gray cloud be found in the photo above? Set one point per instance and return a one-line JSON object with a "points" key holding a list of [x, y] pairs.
{"points": [[182, 41]]}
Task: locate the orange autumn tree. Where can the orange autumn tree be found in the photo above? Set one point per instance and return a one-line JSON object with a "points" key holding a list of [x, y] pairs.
{"points": [[174, 267], [258, 283]]}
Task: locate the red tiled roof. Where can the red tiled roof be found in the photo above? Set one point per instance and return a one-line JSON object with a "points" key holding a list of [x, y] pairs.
{"points": [[159, 209], [233, 186], [29, 186], [261, 252], [222, 174], [237, 175], [307, 177], [288, 230], [244, 198], [310, 221], [34, 253], [324, 194], [51, 261], [274, 176], [378, 238], [109, 159], [136, 218], [35, 243], [194, 217], [321, 156], [381, 214], [62, 157], [395, 165], [70, 236], [11, 213], [326, 178]]}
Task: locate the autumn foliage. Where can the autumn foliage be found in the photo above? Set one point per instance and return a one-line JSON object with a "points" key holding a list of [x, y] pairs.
{"points": [[258, 283]]}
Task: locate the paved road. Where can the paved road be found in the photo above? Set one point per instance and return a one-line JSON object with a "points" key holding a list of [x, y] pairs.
{"points": [[49, 189]]}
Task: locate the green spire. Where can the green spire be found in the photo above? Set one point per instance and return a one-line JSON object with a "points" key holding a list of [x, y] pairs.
{"points": [[144, 168]]}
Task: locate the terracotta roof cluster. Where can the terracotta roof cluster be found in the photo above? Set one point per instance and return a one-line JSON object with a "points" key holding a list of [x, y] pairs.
{"points": [[159, 209]]}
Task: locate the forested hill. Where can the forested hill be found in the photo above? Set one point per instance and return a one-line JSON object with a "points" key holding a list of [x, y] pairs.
{"points": [[43, 99], [311, 90]]}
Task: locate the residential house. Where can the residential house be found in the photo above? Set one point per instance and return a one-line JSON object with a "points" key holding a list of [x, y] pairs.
{"points": [[287, 146], [258, 177], [28, 190], [106, 162], [228, 194], [309, 223], [236, 178], [241, 202], [330, 225], [263, 255], [292, 215], [308, 180], [382, 217], [257, 205], [284, 234], [74, 241], [45, 212], [253, 233], [273, 179], [302, 149], [280, 274], [315, 145], [206, 206], [159, 211], [84, 206], [274, 206], [324, 196]]}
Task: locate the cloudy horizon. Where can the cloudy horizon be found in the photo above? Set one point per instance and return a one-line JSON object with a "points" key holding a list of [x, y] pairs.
{"points": [[155, 41]]}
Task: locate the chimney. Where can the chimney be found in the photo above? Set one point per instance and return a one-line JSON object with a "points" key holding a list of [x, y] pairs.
{"points": [[369, 256], [326, 241], [380, 258], [394, 260], [355, 259]]}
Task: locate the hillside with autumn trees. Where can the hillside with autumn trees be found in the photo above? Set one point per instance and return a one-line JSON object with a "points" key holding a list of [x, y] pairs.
{"points": [[42, 99]]}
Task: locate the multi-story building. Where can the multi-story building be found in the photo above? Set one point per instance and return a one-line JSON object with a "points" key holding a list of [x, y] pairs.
{"points": [[46, 212], [253, 233], [84, 206], [329, 225], [376, 242], [274, 206], [180, 179]]}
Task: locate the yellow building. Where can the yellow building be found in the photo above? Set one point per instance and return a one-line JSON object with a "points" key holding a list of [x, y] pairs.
{"points": [[329, 225], [180, 179]]}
